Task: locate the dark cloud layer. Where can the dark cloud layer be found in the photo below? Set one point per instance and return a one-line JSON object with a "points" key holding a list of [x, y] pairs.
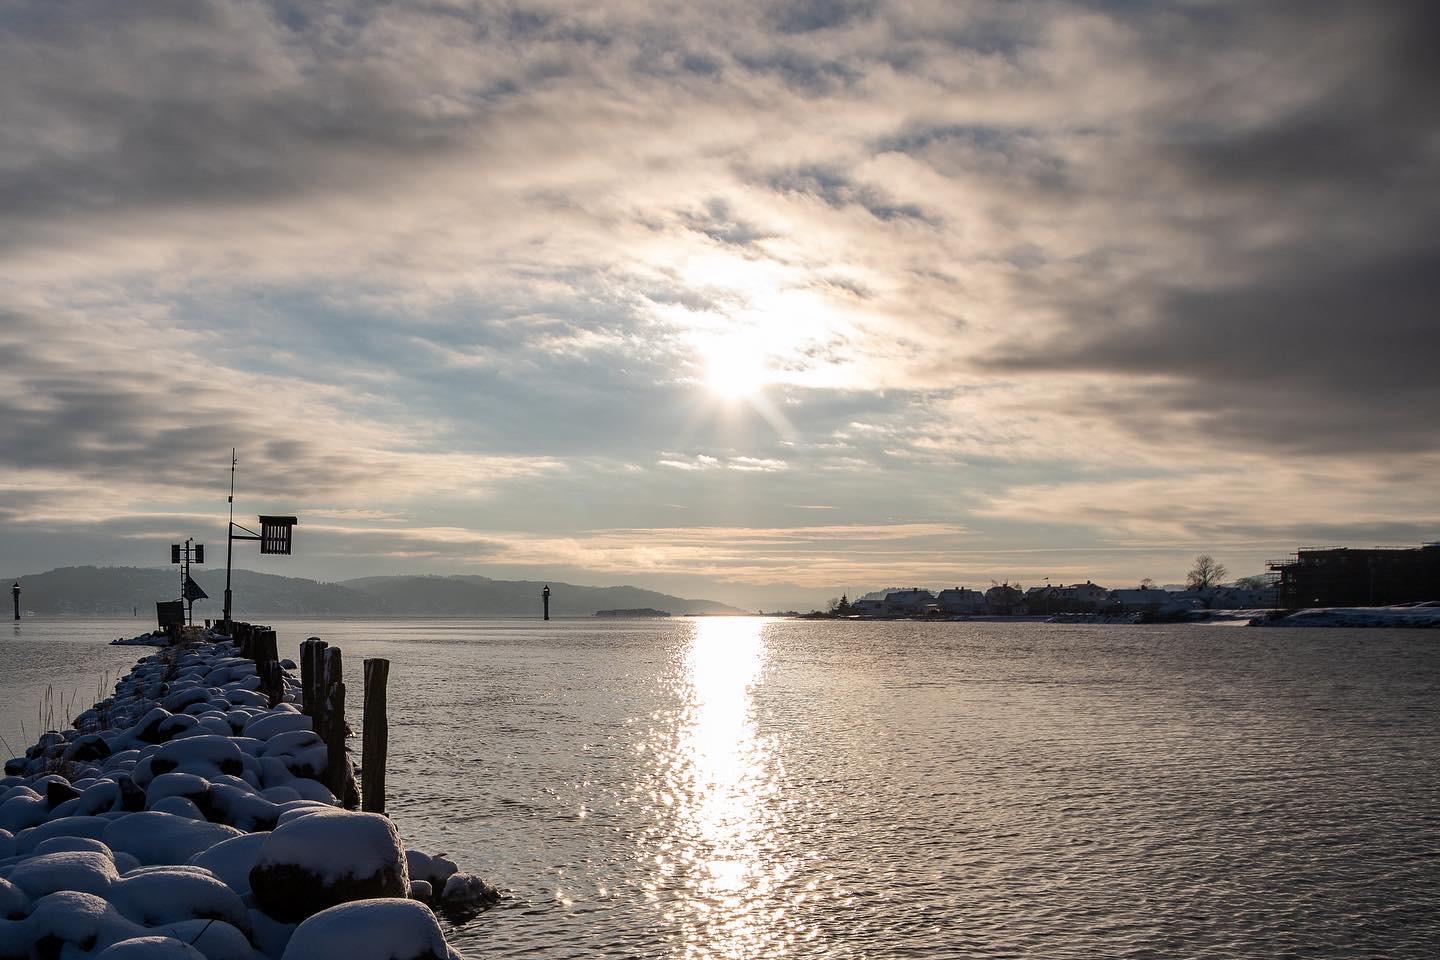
{"points": [[1312, 326]]}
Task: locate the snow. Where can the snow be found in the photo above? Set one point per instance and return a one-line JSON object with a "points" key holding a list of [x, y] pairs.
{"points": [[232, 860], [91, 827], [155, 837], [143, 640], [151, 948], [69, 917], [369, 930], [14, 904], [465, 892], [268, 725], [157, 897], [335, 844], [169, 796], [1420, 615], [64, 844], [83, 870], [215, 939], [435, 870]]}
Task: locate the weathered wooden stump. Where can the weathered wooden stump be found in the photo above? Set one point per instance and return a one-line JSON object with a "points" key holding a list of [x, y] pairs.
{"points": [[375, 739]]}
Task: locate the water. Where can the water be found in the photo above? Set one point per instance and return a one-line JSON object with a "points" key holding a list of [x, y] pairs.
{"points": [[749, 789]]}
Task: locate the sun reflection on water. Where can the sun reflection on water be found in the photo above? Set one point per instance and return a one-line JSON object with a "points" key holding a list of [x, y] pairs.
{"points": [[726, 778]]}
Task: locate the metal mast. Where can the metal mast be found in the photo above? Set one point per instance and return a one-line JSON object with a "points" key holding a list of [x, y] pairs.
{"points": [[230, 536]]}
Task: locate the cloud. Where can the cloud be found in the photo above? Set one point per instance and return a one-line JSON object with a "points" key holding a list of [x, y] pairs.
{"points": [[475, 253], [1298, 206], [91, 425]]}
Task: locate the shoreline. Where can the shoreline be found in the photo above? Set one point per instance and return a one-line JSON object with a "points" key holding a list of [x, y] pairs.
{"points": [[190, 811]]}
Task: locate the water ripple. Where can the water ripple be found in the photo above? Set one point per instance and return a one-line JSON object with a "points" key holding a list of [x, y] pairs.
{"points": [[749, 789]]}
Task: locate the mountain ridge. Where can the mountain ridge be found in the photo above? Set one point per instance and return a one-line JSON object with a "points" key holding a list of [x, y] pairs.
{"points": [[98, 591]]}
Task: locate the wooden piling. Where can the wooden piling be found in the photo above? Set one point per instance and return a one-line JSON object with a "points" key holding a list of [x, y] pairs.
{"points": [[310, 656], [338, 776], [333, 673], [375, 739], [269, 649], [272, 681]]}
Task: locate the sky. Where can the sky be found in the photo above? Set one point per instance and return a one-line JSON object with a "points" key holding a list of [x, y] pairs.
{"points": [[760, 302]]}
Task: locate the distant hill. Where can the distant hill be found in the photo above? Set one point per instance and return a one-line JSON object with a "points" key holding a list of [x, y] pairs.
{"points": [[482, 596], [116, 591]]}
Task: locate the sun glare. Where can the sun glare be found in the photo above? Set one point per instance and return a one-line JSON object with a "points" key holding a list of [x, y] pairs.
{"points": [[734, 369]]}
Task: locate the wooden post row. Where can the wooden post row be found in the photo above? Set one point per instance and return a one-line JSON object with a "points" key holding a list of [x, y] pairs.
{"points": [[376, 739]]}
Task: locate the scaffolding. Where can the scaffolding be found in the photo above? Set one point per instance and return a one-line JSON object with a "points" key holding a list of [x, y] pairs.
{"points": [[1357, 576]]}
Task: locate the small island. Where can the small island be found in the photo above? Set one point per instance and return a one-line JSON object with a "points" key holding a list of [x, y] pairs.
{"points": [[633, 614]]}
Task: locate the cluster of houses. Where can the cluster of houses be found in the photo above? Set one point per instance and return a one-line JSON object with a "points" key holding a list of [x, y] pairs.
{"points": [[1008, 600]]}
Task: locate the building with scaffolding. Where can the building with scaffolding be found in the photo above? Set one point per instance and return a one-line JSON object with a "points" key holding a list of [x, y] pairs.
{"points": [[1357, 577]]}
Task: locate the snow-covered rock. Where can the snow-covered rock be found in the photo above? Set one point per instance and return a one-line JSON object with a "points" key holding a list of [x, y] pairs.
{"points": [[370, 930], [83, 870], [155, 837], [151, 948], [466, 893], [326, 858], [232, 860], [172, 894]]}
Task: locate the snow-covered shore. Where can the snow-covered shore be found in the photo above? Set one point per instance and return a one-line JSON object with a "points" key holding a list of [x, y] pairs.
{"points": [[1419, 615], [185, 817]]}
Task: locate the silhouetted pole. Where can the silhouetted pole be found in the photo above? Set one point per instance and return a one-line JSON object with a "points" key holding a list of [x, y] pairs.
{"points": [[15, 592], [230, 536], [544, 598], [376, 739]]}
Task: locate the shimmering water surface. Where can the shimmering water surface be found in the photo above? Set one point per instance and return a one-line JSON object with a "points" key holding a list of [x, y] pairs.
{"points": [[750, 788]]}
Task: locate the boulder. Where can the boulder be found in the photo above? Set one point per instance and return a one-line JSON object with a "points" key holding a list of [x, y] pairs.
{"points": [[314, 862], [150, 948], [370, 930], [83, 870], [155, 837], [465, 893]]}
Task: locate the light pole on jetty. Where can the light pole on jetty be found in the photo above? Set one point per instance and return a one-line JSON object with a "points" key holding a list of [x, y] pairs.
{"points": [[544, 599], [274, 536], [15, 592]]}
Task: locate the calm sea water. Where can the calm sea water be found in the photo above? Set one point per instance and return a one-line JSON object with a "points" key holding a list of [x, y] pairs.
{"points": [[746, 788]]}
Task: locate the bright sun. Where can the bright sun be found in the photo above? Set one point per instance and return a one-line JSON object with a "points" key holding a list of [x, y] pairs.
{"points": [[734, 369]]}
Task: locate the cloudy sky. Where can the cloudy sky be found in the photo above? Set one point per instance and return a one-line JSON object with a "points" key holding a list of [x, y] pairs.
{"points": [[753, 301]]}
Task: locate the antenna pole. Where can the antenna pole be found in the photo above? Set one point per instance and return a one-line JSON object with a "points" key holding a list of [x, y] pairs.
{"points": [[230, 538]]}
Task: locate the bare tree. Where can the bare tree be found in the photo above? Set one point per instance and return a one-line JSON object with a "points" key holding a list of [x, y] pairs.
{"points": [[1206, 573]]}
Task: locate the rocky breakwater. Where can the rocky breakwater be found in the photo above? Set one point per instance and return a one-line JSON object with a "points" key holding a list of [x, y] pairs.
{"points": [[185, 817]]}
